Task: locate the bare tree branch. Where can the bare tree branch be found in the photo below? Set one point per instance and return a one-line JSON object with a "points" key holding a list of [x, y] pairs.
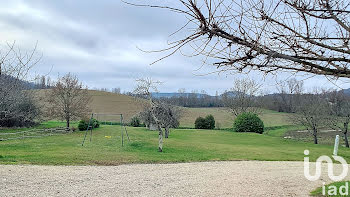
{"points": [[309, 36], [242, 97]]}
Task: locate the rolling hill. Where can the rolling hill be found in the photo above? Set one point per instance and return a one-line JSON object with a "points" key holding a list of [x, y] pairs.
{"points": [[111, 103], [106, 103]]}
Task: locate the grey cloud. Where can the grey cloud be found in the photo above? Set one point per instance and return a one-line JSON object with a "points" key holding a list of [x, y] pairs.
{"points": [[97, 41]]}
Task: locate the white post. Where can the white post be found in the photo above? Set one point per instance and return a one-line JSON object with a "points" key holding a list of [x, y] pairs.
{"points": [[336, 145]]}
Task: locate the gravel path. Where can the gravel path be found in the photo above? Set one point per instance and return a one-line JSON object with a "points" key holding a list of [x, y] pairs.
{"points": [[231, 178]]}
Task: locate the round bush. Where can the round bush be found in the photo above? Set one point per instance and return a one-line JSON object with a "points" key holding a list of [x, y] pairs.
{"points": [[248, 122], [205, 123], [83, 124], [210, 121], [200, 123], [135, 122], [95, 123]]}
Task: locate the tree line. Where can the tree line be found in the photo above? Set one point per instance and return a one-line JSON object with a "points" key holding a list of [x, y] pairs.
{"points": [[193, 99]]}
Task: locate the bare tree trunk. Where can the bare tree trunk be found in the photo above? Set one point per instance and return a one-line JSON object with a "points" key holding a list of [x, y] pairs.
{"points": [[166, 132], [346, 124], [315, 136], [160, 142], [346, 139], [68, 122]]}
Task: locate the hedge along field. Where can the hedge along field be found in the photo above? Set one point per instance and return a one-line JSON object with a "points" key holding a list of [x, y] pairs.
{"points": [[183, 145]]}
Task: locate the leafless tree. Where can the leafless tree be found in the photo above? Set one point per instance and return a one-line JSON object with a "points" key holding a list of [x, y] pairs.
{"points": [[116, 90], [146, 117], [68, 99], [310, 36], [159, 112], [17, 106], [171, 118], [289, 93], [42, 82], [104, 90], [313, 113], [340, 113], [242, 97], [48, 82], [16, 62], [167, 114]]}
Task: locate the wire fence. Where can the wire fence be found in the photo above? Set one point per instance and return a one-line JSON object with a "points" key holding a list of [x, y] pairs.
{"points": [[32, 133], [109, 123]]}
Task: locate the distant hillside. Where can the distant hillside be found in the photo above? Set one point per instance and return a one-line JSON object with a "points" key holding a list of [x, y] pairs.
{"points": [[22, 83], [108, 103], [347, 91], [111, 103]]}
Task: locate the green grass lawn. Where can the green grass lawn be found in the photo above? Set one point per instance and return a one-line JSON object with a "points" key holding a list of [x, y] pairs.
{"points": [[184, 145]]}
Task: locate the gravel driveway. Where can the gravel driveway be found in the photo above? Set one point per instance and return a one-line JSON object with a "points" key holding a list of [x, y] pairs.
{"points": [[231, 178]]}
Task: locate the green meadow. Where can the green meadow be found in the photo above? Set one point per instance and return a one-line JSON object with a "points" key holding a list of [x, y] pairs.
{"points": [[183, 145]]}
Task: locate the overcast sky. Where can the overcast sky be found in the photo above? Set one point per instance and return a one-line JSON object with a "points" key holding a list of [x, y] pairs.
{"points": [[98, 41]]}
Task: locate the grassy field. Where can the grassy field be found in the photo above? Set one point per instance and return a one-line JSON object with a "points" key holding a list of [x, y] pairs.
{"points": [[110, 103], [184, 145], [224, 119]]}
